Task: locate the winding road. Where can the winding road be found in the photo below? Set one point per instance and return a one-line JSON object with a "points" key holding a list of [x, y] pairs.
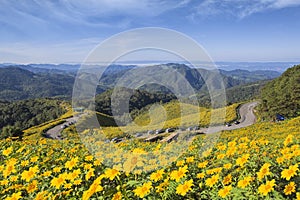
{"points": [[54, 133], [247, 118]]}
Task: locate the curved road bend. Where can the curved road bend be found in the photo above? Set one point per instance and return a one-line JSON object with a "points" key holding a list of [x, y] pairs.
{"points": [[246, 112], [54, 132], [247, 118]]}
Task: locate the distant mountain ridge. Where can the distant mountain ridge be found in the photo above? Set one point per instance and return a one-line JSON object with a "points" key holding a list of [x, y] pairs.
{"points": [[251, 76], [30, 81], [196, 76], [17, 84]]}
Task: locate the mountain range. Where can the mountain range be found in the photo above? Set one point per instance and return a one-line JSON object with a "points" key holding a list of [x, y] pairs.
{"points": [[33, 81]]}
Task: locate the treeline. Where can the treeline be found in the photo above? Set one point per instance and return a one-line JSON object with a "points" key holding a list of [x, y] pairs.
{"points": [[234, 94], [20, 115], [137, 99], [244, 93], [282, 95]]}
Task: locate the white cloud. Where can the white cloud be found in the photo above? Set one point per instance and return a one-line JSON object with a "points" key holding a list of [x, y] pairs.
{"points": [[241, 8], [121, 7], [92, 13], [285, 3]]}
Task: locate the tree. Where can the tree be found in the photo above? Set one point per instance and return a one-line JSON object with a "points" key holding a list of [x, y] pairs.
{"points": [[282, 95], [11, 131]]}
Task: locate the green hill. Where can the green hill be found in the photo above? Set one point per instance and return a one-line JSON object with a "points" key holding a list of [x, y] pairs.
{"points": [[282, 95], [173, 114], [27, 113], [138, 99], [18, 84]]}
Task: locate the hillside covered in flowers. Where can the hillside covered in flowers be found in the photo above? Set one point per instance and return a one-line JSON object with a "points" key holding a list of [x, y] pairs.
{"points": [[260, 161]]}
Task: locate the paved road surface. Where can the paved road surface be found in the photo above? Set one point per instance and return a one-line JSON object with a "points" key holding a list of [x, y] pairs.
{"points": [[247, 118], [54, 132], [246, 112]]}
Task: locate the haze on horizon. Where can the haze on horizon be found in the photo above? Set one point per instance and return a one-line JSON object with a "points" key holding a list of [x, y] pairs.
{"points": [[232, 30]]}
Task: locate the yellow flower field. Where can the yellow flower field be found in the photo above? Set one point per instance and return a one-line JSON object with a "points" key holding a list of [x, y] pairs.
{"points": [[258, 162]]}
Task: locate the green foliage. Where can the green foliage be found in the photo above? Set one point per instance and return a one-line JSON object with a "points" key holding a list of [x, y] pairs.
{"points": [[236, 94], [137, 100], [40, 130], [10, 131], [18, 84], [27, 113], [282, 95]]}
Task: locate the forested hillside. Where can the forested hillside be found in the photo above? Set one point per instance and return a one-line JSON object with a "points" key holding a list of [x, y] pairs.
{"points": [[26, 113], [282, 95], [236, 94], [137, 101], [18, 84]]}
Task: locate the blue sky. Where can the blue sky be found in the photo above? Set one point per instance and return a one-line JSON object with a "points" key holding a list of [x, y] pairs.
{"points": [[64, 31]]}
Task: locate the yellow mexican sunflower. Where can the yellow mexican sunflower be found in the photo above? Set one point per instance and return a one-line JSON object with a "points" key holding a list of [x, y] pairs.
{"points": [[178, 174], [111, 173], [201, 175], [227, 180], [41, 196], [227, 165], [242, 160], [57, 182], [28, 175], [89, 174], [180, 163], [14, 196], [7, 151], [117, 196], [189, 159], [156, 176], [143, 190], [212, 181], [288, 140], [89, 158], [32, 187], [290, 172], [245, 182], [264, 171], [290, 188], [182, 189], [225, 191], [203, 164], [264, 189], [280, 160], [77, 182], [72, 163]]}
